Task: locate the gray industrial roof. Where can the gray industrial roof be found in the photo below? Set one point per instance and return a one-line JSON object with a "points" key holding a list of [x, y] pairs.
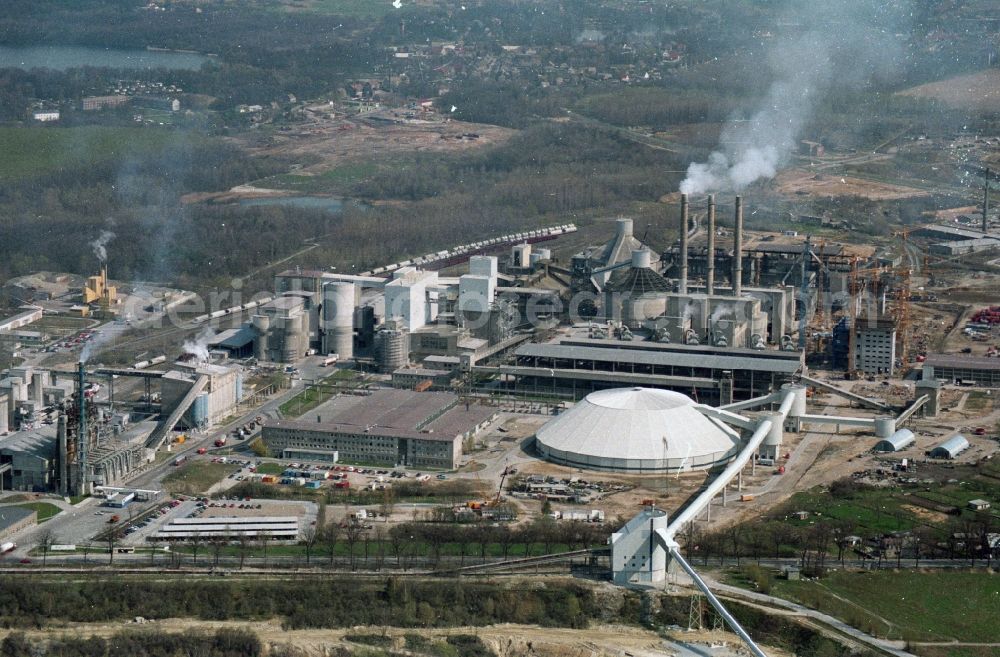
{"points": [[37, 442], [352, 429], [11, 515], [233, 338], [951, 447], [900, 440], [720, 361], [963, 362]]}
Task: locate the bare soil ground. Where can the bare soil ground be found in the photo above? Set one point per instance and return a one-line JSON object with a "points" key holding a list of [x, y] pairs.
{"points": [[328, 139], [800, 182], [975, 91], [505, 640]]}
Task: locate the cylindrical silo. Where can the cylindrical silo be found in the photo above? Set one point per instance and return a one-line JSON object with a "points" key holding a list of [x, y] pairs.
{"points": [[885, 426], [294, 334], [338, 319], [772, 441], [798, 408], [262, 327], [392, 349]]}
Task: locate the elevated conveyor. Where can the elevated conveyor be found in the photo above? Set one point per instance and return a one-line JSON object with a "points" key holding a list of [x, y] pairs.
{"points": [[160, 433]]}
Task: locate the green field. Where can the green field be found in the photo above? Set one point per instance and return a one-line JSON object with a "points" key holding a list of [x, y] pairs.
{"points": [[895, 508], [35, 151], [913, 606], [339, 180], [197, 477], [312, 397], [270, 468], [45, 510]]}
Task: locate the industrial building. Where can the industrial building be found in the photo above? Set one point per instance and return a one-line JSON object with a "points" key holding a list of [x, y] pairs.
{"points": [[637, 557], [875, 347], [950, 448], [217, 389], [281, 329], [388, 427], [897, 442], [976, 370], [592, 267], [636, 430], [27, 315], [273, 528], [58, 440], [98, 291], [581, 365]]}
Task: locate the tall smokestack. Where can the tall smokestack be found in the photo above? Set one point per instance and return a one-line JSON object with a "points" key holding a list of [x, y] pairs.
{"points": [[710, 276], [738, 250], [81, 451], [63, 455], [986, 202], [682, 283]]}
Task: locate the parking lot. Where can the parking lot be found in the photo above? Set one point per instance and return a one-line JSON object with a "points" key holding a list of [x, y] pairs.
{"points": [[140, 533]]}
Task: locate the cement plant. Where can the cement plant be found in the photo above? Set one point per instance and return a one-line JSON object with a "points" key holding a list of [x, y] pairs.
{"points": [[431, 329]]}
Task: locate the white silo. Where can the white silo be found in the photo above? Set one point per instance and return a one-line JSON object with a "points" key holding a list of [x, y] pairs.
{"points": [[772, 441], [338, 319]]}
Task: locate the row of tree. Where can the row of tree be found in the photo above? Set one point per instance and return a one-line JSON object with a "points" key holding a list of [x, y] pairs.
{"points": [[223, 642]]}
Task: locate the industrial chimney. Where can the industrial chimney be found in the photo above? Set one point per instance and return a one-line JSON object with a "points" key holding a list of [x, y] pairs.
{"points": [[738, 250], [710, 276], [986, 203], [682, 283], [81, 451], [63, 458]]}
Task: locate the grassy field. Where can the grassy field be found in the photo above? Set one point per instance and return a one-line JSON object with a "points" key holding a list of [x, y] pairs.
{"points": [[338, 180], [35, 151], [197, 477], [913, 606], [312, 397], [45, 510], [270, 468], [895, 508]]}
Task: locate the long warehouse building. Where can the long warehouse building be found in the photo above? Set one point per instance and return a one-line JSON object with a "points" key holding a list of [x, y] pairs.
{"points": [[581, 366], [390, 427]]}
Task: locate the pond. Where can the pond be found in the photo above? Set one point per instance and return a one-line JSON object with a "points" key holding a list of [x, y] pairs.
{"points": [[64, 57]]}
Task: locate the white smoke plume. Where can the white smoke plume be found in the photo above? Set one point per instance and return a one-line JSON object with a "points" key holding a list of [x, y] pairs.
{"points": [[724, 310], [199, 346], [101, 337], [842, 42], [688, 311], [100, 245]]}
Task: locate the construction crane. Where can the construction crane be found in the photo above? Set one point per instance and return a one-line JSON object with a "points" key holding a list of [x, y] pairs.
{"points": [[503, 476], [901, 310]]}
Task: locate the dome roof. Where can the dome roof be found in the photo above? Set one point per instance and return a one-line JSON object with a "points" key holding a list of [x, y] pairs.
{"points": [[636, 430]]}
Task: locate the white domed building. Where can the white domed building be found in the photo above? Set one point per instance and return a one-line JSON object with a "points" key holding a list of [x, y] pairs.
{"points": [[637, 430]]}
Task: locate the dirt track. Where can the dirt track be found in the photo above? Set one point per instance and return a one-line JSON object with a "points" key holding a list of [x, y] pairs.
{"points": [[505, 640]]}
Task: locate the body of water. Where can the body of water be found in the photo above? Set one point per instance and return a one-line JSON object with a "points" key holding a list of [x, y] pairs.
{"points": [[326, 203], [64, 57]]}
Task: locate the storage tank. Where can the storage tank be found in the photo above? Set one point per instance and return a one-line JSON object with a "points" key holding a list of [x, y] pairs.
{"points": [[771, 446], [295, 336], [262, 327], [885, 426], [199, 410], [338, 319], [392, 349]]}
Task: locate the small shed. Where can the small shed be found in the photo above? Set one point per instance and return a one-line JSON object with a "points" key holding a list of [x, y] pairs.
{"points": [[979, 505], [950, 448], [898, 441]]}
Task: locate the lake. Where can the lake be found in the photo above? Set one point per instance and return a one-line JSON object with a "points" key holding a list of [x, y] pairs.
{"points": [[63, 57], [326, 203]]}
